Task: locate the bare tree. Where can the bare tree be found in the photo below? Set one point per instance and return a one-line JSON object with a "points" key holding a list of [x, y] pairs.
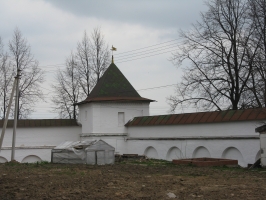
{"points": [[100, 54], [83, 70], [31, 75], [221, 54], [257, 13], [93, 58], [83, 64], [68, 91], [6, 77]]}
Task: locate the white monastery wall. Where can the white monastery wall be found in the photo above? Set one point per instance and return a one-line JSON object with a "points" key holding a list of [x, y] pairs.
{"points": [[246, 151], [233, 140], [224, 129], [29, 155], [109, 118], [37, 141]]}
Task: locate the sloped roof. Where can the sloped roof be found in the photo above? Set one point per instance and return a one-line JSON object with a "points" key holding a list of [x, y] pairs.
{"points": [[200, 117], [73, 144], [113, 86], [40, 122], [85, 144]]}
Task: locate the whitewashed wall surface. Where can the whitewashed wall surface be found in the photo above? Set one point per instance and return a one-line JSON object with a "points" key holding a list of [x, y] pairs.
{"points": [[109, 118], [36, 138]]}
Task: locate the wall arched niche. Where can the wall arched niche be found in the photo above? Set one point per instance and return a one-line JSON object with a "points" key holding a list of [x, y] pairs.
{"points": [[257, 156], [235, 154], [31, 159], [3, 159], [201, 152], [173, 153], [151, 152]]}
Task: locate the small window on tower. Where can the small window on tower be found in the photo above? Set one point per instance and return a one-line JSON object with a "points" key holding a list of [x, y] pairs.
{"points": [[121, 119]]}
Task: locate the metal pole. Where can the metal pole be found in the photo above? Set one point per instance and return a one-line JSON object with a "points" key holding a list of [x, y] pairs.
{"points": [[15, 118], [7, 114]]}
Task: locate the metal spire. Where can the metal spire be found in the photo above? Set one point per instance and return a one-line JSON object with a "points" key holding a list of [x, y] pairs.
{"points": [[113, 49]]}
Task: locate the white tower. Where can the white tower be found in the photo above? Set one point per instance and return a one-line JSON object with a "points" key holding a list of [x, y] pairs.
{"points": [[111, 103]]}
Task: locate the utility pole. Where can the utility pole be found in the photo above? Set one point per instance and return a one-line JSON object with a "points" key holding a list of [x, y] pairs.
{"points": [[7, 113], [15, 116], [18, 104]]}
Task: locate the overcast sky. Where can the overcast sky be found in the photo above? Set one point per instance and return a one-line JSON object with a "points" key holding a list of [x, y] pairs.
{"points": [[53, 28]]}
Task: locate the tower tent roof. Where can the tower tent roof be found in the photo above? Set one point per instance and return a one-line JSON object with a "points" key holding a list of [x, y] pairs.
{"points": [[114, 86]]}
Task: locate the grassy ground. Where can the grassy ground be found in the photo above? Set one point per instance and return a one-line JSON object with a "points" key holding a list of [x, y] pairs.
{"points": [[129, 179]]}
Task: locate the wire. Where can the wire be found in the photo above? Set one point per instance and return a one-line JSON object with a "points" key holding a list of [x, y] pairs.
{"points": [[157, 87], [46, 88], [162, 86], [148, 46], [34, 94], [144, 57], [152, 109], [52, 65], [119, 55], [149, 51]]}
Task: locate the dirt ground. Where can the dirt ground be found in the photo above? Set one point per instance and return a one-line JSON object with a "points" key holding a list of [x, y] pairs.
{"points": [[134, 179]]}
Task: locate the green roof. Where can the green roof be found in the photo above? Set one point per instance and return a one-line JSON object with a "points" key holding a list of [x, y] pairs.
{"points": [[113, 84]]}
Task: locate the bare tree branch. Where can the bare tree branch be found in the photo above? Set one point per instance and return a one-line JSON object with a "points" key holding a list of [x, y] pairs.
{"points": [[67, 89], [6, 77], [32, 76], [83, 70], [221, 51]]}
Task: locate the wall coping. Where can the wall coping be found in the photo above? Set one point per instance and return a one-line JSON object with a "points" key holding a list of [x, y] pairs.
{"points": [[40, 123], [243, 137]]}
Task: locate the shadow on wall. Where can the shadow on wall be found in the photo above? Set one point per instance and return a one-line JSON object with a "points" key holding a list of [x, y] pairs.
{"points": [[151, 152], [31, 159], [174, 153], [235, 154], [3, 160], [258, 155], [27, 159], [201, 152]]}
